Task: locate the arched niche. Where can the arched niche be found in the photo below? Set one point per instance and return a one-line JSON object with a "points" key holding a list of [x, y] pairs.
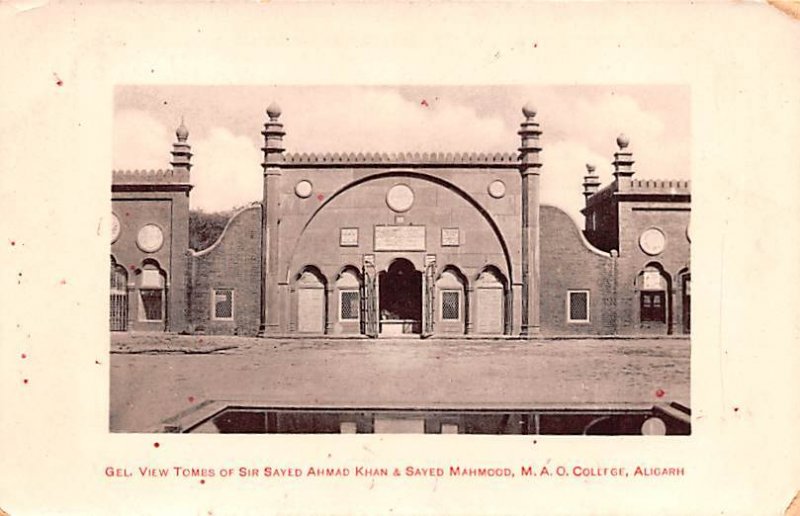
{"points": [[348, 296], [453, 307], [309, 287], [491, 295], [151, 286]]}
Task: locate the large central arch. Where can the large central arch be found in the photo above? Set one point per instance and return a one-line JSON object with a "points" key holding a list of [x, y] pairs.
{"points": [[425, 176]]}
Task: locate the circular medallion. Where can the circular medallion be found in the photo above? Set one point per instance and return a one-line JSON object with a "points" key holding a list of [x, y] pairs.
{"points": [[654, 426], [150, 238], [114, 228], [400, 198], [652, 241], [303, 188], [497, 189]]}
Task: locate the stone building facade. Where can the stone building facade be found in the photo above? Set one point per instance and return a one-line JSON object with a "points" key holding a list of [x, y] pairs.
{"points": [[410, 244], [149, 243]]}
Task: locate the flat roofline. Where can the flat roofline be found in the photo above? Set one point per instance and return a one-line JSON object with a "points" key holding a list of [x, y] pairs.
{"points": [[151, 187]]}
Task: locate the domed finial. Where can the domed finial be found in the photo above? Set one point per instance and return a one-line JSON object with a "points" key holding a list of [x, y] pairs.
{"points": [[274, 110], [623, 141], [529, 110], [181, 132], [590, 167]]}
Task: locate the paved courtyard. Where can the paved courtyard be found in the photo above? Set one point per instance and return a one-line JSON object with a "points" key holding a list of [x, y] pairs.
{"points": [[154, 377]]}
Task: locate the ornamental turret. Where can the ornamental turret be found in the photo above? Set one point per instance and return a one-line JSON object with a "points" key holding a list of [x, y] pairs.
{"points": [[181, 151], [623, 161], [529, 145], [273, 137], [591, 182]]}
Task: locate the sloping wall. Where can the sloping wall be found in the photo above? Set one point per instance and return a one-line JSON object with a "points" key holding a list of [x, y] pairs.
{"points": [[569, 262], [232, 262]]}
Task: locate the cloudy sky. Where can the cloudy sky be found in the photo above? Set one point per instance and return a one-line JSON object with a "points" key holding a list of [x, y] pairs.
{"points": [[580, 125]]}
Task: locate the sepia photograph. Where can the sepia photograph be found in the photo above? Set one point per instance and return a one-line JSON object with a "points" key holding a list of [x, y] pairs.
{"points": [[408, 259]]}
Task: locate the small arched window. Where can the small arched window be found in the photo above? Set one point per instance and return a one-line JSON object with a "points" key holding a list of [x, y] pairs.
{"points": [[348, 286], [451, 295]]}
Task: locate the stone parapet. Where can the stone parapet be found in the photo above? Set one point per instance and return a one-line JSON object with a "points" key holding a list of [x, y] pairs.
{"points": [[439, 159], [150, 177], [659, 186]]}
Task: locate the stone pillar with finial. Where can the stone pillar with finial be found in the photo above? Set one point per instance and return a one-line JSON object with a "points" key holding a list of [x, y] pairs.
{"points": [[181, 154], [178, 279], [270, 211], [623, 163], [529, 166], [591, 182]]}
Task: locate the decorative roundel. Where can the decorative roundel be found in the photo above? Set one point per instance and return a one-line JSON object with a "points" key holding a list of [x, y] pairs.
{"points": [[303, 188], [497, 189], [114, 228], [652, 241], [400, 198], [150, 238]]}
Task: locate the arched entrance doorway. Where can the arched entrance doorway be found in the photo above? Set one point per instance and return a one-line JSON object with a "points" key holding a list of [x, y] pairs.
{"points": [[655, 299], [400, 299]]}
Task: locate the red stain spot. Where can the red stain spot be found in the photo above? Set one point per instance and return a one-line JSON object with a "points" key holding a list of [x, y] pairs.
{"points": [[132, 267], [156, 445], [62, 282], [660, 393], [13, 243], [202, 481], [424, 103], [24, 356], [320, 197], [97, 362], [59, 82], [191, 399], [535, 45], [736, 409], [25, 381]]}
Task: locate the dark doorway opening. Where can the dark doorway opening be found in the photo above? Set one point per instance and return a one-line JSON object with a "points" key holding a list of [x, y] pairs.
{"points": [[400, 298], [687, 303]]}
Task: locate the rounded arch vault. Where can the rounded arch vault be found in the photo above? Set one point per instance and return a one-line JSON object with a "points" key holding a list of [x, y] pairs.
{"points": [[293, 260]]}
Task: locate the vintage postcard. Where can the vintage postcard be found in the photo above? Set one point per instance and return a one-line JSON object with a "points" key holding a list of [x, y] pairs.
{"points": [[427, 291], [409, 259]]}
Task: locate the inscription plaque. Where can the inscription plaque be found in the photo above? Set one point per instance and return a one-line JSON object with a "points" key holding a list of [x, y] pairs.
{"points": [[348, 237], [399, 238], [450, 237]]}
